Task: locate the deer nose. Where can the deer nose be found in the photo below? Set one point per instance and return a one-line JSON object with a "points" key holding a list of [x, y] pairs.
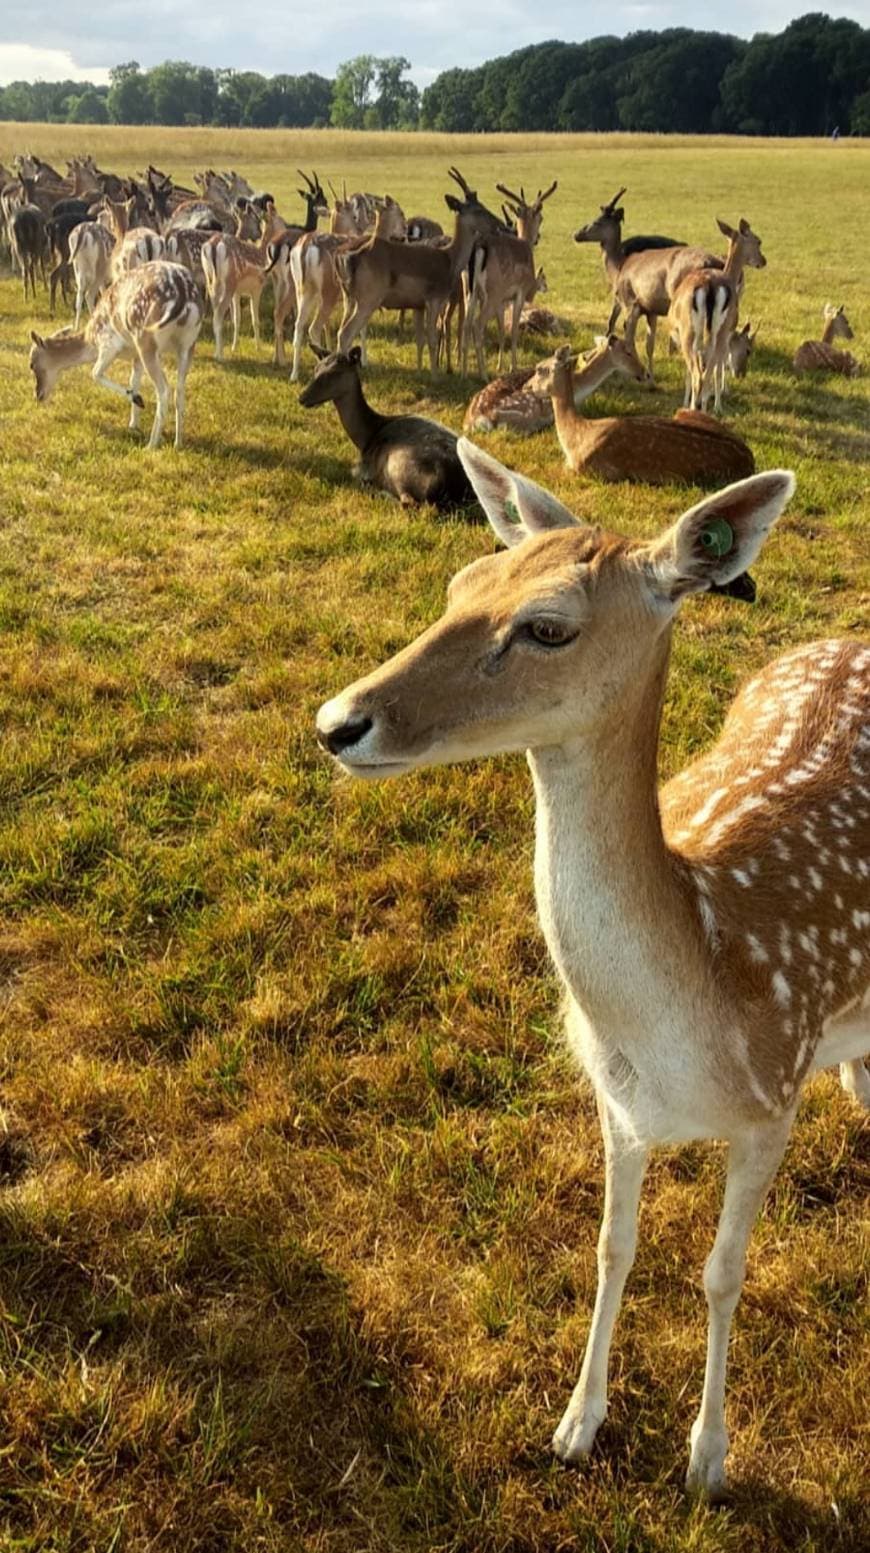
{"points": [[344, 735]]}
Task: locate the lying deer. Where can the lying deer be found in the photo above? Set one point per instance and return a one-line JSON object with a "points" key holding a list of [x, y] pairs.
{"points": [[712, 937], [822, 355], [692, 448], [408, 456], [703, 315], [521, 401], [150, 312]]}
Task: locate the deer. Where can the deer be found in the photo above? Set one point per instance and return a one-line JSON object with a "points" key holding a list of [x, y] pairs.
{"points": [[27, 241], [234, 269], [521, 400], [134, 245], [418, 276], [149, 312], [408, 456], [712, 936], [644, 271], [740, 348], [703, 315], [502, 274], [693, 448], [90, 253], [822, 355]]}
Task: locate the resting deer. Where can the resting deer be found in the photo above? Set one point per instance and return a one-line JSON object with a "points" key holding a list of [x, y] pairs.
{"points": [[712, 937], [502, 275], [150, 312], [703, 315], [234, 269], [822, 355], [521, 401], [692, 448], [418, 276], [408, 456]]}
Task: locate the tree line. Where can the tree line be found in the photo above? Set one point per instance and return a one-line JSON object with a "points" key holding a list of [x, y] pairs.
{"points": [[811, 79]]}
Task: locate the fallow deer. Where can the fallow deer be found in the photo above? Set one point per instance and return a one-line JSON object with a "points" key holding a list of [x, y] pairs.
{"points": [[314, 277], [134, 245], [703, 314], [822, 355], [417, 276], [235, 269], [692, 448], [740, 348], [90, 252], [713, 936], [28, 244], [521, 400], [149, 312], [502, 275], [606, 230]]}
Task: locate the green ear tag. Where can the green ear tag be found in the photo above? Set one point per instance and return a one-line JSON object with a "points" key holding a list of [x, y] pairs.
{"points": [[718, 538], [512, 512]]}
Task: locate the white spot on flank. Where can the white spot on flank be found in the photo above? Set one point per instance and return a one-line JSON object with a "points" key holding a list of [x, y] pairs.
{"points": [[781, 989]]}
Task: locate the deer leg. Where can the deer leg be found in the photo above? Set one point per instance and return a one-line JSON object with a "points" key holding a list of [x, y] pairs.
{"points": [[650, 340], [302, 323], [419, 335], [753, 1158], [106, 356], [236, 314], [185, 356], [625, 1163], [218, 310], [284, 304], [515, 330], [135, 396], [80, 297], [431, 317], [613, 320], [353, 321], [255, 317], [150, 356]]}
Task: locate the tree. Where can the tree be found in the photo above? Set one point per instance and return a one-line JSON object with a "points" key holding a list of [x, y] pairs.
{"points": [[398, 102], [128, 101], [89, 108], [352, 93]]}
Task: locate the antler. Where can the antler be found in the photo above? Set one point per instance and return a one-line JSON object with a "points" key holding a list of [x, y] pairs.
{"points": [[517, 198], [615, 201], [552, 189], [307, 179], [457, 177]]}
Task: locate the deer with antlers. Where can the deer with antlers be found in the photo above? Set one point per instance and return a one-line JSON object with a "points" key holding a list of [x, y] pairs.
{"points": [[416, 276], [149, 313], [703, 315], [713, 936], [502, 275], [234, 269]]}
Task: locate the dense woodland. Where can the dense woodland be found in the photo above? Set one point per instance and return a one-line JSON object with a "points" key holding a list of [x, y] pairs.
{"points": [[811, 79]]}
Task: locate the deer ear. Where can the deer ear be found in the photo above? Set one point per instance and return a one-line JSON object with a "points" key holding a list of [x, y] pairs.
{"points": [[725, 229], [517, 508], [354, 355], [37, 338], [718, 539]]}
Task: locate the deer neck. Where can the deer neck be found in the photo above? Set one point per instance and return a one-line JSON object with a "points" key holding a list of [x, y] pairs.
{"points": [[357, 417], [573, 430], [733, 266], [589, 376], [74, 350], [829, 333], [615, 911], [464, 238], [612, 254]]}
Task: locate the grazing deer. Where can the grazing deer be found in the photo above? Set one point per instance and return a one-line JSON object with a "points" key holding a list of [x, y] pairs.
{"points": [[713, 936], [521, 401], [418, 276], [692, 448], [740, 348], [408, 456], [134, 245], [150, 312], [234, 269], [822, 355], [703, 315], [502, 275], [90, 252]]}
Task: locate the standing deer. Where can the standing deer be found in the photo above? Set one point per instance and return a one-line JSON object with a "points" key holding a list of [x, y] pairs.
{"points": [[90, 252], [712, 937], [703, 315], [822, 355], [234, 269], [134, 245], [150, 312], [502, 275], [412, 275]]}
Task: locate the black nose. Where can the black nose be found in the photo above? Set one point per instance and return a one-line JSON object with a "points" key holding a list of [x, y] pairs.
{"points": [[346, 734]]}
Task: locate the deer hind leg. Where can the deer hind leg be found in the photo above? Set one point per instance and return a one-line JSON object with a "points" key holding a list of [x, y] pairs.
{"points": [[846, 1042], [255, 316], [185, 356], [625, 1163], [515, 330], [135, 396], [236, 314], [304, 318], [150, 357], [419, 335], [753, 1158], [431, 320]]}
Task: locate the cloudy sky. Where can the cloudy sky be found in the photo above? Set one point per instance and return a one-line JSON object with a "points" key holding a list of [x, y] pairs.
{"points": [[80, 40]]}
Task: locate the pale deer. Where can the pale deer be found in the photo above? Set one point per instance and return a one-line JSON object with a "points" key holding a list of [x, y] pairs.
{"points": [[234, 269], [521, 400], [150, 312], [408, 456], [417, 276], [692, 448], [822, 355], [90, 251], [713, 936], [703, 314], [502, 275], [134, 245]]}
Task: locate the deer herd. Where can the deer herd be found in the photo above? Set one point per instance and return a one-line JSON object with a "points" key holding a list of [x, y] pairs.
{"points": [[713, 935]]}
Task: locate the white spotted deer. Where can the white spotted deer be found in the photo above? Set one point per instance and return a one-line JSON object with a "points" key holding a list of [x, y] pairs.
{"points": [[703, 315], [234, 269], [90, 251], [822, 355], [134, 245], [712, 936], [149, 313]]}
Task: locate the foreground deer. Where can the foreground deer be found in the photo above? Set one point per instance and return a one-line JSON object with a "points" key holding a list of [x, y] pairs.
{"points": [[151, 312], [703, 314], [692, 448], [712, 938], [822, 355], [521, 400]]}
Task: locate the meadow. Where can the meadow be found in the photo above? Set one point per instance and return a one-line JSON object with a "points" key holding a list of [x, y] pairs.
{"points": [[300, 1193]]}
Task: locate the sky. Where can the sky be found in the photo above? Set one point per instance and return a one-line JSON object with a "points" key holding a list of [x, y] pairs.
{"points": [[79, 41]]}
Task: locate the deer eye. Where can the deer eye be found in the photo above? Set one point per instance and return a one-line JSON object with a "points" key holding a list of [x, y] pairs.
{"points": [[550, 633]]}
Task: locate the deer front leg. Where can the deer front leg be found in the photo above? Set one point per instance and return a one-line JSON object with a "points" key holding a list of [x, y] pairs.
{"points": [[625, 1163], [752, 1161]]}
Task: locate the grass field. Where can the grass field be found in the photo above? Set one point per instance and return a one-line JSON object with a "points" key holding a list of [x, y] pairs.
{"points": [[301, 1194]]}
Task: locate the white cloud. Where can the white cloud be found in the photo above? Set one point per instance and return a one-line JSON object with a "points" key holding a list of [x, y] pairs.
{"points": [[24, 62]]}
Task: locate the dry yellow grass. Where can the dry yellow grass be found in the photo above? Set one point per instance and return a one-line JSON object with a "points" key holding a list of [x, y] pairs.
{"points": [[297, 1241]]}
